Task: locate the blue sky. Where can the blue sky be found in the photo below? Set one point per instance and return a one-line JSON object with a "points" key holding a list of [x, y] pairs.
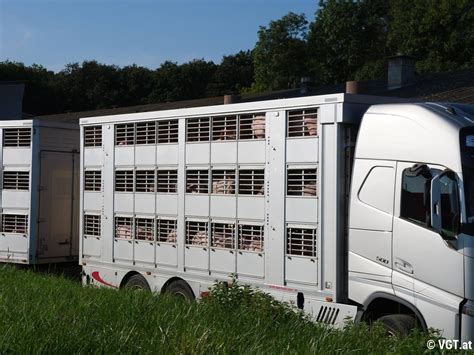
{"points": [[145, 32]]}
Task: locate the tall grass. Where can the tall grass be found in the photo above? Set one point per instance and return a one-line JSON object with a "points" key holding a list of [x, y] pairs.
{"points": [[41, 313]]}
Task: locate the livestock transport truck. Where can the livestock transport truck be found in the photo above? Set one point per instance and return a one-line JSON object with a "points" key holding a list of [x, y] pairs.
{"points": [[39, 195], [275, 193]]}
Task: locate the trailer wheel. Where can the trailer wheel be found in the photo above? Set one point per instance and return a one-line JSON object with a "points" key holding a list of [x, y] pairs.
{"points": [[180, 289], [398, 324], [137, 282]]}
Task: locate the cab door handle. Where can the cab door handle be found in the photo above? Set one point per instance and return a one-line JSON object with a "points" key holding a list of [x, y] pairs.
{"points": [[404, 266]]}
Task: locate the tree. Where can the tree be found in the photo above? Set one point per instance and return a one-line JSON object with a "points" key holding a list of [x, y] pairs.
{"points": [[347, 40], [439, 34], [280, 55], [234, 73]]}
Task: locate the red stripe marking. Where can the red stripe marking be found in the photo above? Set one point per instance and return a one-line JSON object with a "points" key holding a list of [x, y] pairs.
{"points": [[95, 275]]}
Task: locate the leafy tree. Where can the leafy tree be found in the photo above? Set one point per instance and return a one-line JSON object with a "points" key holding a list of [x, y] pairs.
{"points": [[347, 40], [439, 34], [280, 55], [136, 84], [234, 73], [39, 97]]}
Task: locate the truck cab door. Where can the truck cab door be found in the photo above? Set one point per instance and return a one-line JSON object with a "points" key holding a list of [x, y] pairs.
{"points": [[427, 268]]}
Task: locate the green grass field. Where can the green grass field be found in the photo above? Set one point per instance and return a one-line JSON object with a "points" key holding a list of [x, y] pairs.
{"points": [[44, 313]]}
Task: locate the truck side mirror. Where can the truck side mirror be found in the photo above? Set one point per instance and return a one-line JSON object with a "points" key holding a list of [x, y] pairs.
{"points": [[435, 204]]}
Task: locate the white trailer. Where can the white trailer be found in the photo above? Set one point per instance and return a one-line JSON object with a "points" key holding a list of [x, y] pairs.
{"points": [[39, 197], [173, 200]]}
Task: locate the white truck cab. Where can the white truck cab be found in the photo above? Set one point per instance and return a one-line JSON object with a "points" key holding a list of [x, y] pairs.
{"points": [[411, 234]]}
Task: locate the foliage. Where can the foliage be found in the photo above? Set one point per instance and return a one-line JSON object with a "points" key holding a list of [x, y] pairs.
{"points": [[347, 39], [45, 314], [280, 55], [440, 34]]}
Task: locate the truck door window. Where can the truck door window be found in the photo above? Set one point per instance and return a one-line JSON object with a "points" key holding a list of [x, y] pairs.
{"points": [[450, 210], [415, 195]]}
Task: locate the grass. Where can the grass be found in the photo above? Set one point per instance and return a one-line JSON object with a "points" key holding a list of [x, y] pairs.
{"points": [[48, 314]]}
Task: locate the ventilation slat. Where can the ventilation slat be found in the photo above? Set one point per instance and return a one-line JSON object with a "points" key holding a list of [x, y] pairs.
{"points": [[124, 180], [145, 133], [301, 182], [197, 181], [223, 235], [224, 128], [167, 181], [14, 223], [252, 126], [166, 230], [92, 180], [145, 181], [196, 233], [123, 227], [92, 225], [198, 130], [302, 123], [16, 180], [250, 238], [93, 136], [167, 131], [125, 134], [16, 137], [251, 182], [301, 241], [223, 182], [144, 229]]}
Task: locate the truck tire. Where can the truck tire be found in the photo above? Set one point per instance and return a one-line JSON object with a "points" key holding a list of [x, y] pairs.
{"points": [[137, 282], [180, 289], [398, 324]]}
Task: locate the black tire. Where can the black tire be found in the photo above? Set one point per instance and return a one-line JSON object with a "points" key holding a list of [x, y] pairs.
{"points": [[180, 289], [137, 282], [398, 324]]}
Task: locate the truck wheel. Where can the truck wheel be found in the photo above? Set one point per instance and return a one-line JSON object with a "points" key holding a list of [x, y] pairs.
{"points": [[398, 324], [180, 289], [137, 282]]}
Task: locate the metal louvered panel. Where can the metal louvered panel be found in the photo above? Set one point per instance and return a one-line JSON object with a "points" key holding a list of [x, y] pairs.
{"points": [[252, 126], [14, 223], [301, 241], [197, 181], [92, 180], [196, 233], [223, 182], [251, 181], [93, 136], [167, 181], [166, 230], [223, 235], [124, 180], [302, 123], [125, 134], [123, 227], [145, 133], [198, 129], [251, 238], [16, 137], [144, 229], [224, 128], [16, 180], [167, 131], [145, 181], [92, 225], [301, 182]]}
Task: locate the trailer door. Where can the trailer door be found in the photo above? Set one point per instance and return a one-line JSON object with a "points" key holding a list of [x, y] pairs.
{"points": [[58, 204]]}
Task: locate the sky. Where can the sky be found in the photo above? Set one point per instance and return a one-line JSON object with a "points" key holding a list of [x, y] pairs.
{"points": [[53, 33]]}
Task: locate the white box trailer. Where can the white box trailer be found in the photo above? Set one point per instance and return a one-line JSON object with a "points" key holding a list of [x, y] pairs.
{"points": [[174, 200], [39, 197]]}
